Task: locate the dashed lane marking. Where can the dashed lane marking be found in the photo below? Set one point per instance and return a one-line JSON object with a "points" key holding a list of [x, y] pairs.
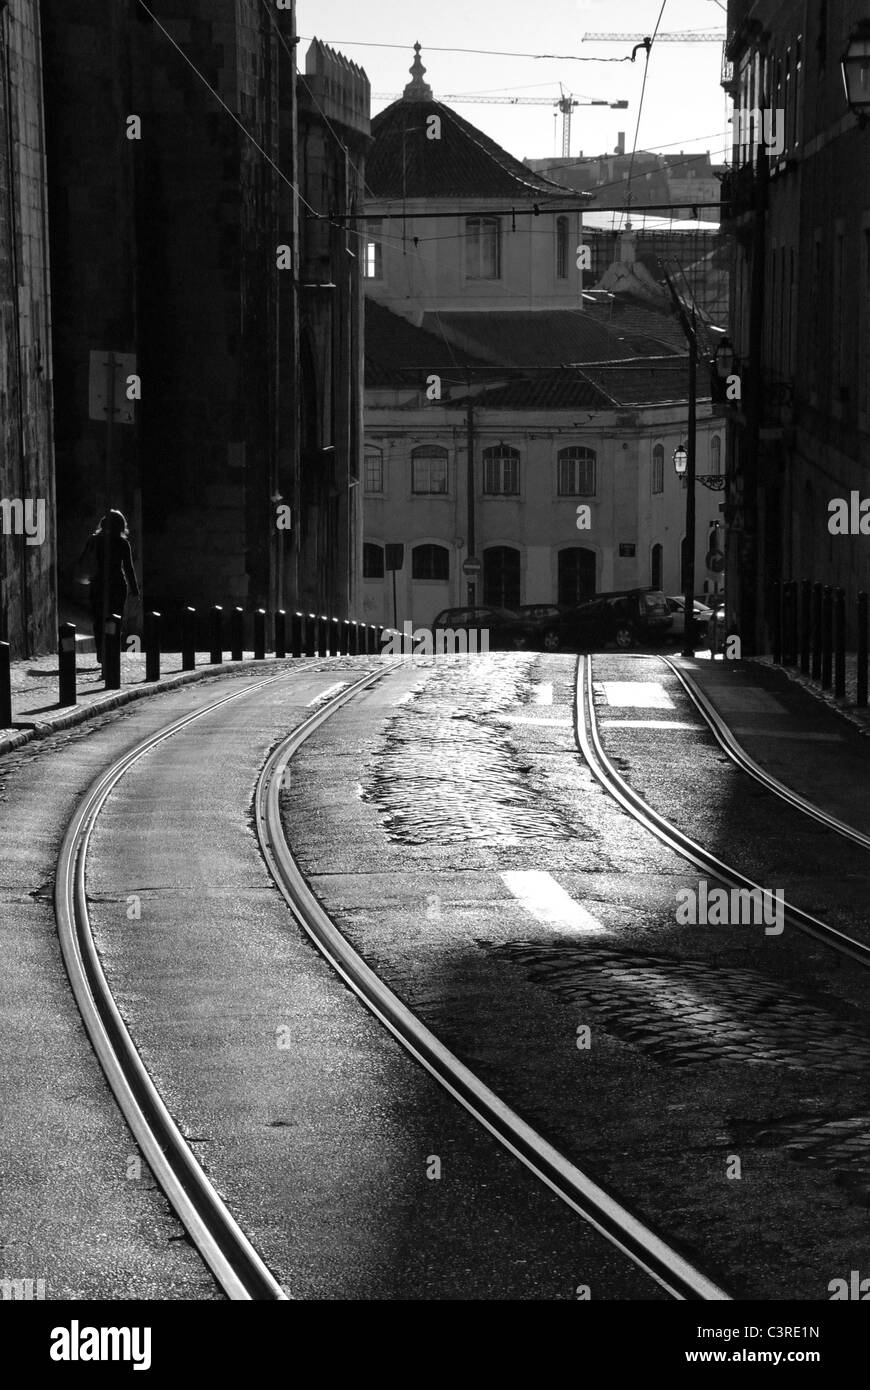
{"points": [[645, 724], [638, 694], [543, 694], [547, 901]]}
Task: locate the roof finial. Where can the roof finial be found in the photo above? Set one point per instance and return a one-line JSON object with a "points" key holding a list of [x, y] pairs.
{"points": [[417, 89]]}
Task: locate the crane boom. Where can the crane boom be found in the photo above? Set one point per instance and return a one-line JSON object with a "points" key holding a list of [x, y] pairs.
{"points": [[674, 36]]}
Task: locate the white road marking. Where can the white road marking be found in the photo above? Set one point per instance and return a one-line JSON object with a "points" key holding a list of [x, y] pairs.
{"points": [[547, 901], [327, 694], [639, 694], [532, 719], [543, 694]]}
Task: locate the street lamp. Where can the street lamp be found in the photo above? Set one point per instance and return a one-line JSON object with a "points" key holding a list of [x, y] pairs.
{"points": [[855, 66], [681, 459], [723, 359]]}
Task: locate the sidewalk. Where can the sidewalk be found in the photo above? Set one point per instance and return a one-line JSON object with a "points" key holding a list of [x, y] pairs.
{"points": [[36, 714], [797, 733]]}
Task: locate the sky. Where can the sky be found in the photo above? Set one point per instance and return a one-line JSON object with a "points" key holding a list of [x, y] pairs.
{"points": [[684, 107]]}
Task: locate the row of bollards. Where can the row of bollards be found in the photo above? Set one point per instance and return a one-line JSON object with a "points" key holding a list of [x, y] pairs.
{"points": [[310, 634], [809, 631]]}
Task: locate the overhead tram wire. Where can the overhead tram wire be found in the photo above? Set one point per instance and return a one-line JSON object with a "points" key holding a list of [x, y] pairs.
{"points": [[647, 46], [481, 52]]}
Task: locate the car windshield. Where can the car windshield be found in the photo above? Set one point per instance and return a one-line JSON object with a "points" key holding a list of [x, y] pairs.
{"points": [[655, 603]]}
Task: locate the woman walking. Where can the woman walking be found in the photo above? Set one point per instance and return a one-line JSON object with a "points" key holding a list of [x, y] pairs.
{"points": [[112, 574]]}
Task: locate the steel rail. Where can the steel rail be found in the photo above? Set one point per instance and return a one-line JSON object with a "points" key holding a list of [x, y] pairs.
{"points": [[738, 754], [220, 1241], [625, 1230], [590, 745]]}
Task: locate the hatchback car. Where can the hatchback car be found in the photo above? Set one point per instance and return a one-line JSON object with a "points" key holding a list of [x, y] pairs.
{"points": [[505, 630], [700, 612], [625, 618]]}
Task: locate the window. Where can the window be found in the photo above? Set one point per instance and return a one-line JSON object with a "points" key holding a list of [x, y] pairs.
{"points": [[576, 472], [374, 469], [429, 469], [482, 248], [430, 562], [658, 468], [716, 455], [501, 471], [561, 248], [576, 575], [373, 262], [373, 561]]}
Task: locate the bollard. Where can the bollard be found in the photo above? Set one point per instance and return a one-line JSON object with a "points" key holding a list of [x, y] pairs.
{"points": [[112, 652], [840, 644], [816, 668], [827, 624], [216, 655], [323, 635], [335, 637], [281, 633], [311, 635], [5, 686], [152, 646], [66, 662], [379, 639], [188, 639], [356, 642], [344, 637], [260, 634], [237, 634], [806, 590], [861, 697], [297, 634]]}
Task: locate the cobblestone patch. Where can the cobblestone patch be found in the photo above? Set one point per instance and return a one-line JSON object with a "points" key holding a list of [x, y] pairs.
{"points": [[688, 1013], [839, 1145], [442, 773]]}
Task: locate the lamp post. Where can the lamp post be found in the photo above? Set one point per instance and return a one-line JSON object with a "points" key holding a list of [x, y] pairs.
{"points": [[855, 67]]}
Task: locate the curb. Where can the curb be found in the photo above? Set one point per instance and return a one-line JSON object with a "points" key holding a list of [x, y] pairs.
{"points": [[845, 711], [80, 714]]}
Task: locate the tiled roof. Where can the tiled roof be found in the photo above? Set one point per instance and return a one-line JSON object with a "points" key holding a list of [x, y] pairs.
{"points": [[647, 383], [542, 337], [558, 390], [393, 347], [464, 163]]}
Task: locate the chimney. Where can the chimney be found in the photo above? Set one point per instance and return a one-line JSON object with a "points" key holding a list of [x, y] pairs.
{"points": [[620, 142]]}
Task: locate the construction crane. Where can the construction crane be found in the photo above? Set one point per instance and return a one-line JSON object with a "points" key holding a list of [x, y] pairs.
{"points": [[566, 103], [673, 36]]}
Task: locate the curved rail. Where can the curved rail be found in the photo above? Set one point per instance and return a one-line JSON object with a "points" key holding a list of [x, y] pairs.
{"points": [[589, 742], [670, 1269]]}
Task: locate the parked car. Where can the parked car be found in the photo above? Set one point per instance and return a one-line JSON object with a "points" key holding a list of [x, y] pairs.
{"points": [[700, 613], [544, 625], [625, 617], [505, 628], [716, 626]]}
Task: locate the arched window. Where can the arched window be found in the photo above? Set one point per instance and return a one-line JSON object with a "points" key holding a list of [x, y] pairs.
{"points": [[373, 480], [658, 472], [501, 576], [716, 455], [373, 561], [430, 562], [577, 472], [655, 567], [561, 248], [501, 471], [429, 469]]}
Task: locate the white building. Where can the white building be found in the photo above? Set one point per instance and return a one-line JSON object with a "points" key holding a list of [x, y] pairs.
{"points": [[479, 329]]}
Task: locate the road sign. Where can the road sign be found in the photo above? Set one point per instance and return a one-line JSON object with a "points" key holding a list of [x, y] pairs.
{"points": [[471, 567], [107, 379]]}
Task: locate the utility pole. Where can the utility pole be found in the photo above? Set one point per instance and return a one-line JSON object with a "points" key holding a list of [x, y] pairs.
{"points": [[469, 484], [691, 447]]}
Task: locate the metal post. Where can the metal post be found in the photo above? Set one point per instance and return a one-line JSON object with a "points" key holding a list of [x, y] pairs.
{"points": [[237, 634], [353, 638], [777, 623], [471, 550], [311, 635], [335, 637], [152, 646], [281, 634], [5, 686], [112, 652], [691, 451], [188, 639], [371, 639], [344, 638], [816, 668], [806, 589], [791, 636], [260, 634], [861, 698], [840, 644], [379, 639], [827, 625], [66, 663], [216, 655]]}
